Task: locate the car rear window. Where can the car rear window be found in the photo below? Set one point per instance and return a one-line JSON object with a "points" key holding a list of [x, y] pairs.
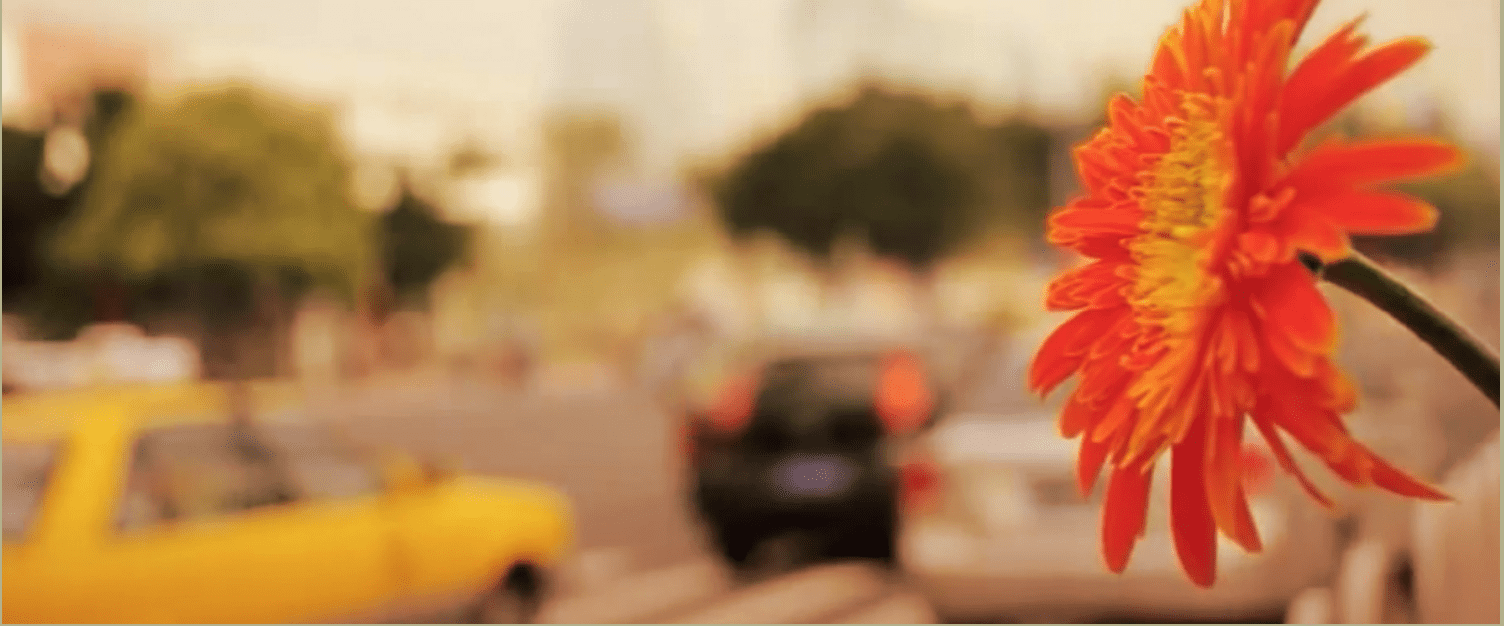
{"points": [[324, 464], [25, 471], [824, 406]]}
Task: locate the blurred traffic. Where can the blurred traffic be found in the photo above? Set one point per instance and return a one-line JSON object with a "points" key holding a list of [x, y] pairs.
{"points": [[643, 311]]}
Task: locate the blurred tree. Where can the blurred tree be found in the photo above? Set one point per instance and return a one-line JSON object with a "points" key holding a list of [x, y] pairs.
{"points": [[30, 213], [229, 190], [56, 302], [417, 247], [910, 176], [903, 174], [1021, 182]]}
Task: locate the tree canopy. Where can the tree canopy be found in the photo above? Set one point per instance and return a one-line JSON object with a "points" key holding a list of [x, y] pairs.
{"points": [[230, 175], [911, 176], [30, 212], [417, 246], [56, 302]]}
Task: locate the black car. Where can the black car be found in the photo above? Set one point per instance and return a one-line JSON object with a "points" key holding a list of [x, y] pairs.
{"points": [[803, 445]]}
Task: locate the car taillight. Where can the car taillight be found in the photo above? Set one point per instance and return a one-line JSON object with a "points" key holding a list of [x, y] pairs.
{"points": [[733, 407], [919, 485], [904, 399]]}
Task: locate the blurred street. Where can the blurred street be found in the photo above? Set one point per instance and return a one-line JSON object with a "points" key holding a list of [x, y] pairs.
{"points": [[640, 557], [610, 450], [623, 294]]}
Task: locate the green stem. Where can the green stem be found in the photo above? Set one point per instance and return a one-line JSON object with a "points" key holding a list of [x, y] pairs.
{"points": [[1476, 361]]}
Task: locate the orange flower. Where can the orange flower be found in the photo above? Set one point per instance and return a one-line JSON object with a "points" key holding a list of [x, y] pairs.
{"points": [[1194, 310]]}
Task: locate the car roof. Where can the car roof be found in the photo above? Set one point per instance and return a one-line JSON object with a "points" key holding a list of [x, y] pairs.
{"points": [[787, 348], [53, 413], [843, 378]]}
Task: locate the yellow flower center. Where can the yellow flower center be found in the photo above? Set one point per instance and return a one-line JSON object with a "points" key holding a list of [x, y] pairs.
{"points": [[1182, 203], [1181, 196]]}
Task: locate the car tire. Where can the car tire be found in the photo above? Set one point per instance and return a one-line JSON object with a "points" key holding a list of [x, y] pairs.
{"points": [[508, 603]]}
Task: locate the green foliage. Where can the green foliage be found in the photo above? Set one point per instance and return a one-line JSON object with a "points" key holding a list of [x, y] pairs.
{"points": [[417, 246], [57, 302], [227, 175], [1019, 184], [912, 176], [29, 212]]}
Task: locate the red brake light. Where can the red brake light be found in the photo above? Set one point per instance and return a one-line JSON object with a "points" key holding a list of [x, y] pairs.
{"points": [[733, 407], [904, 398], [919, 484]]}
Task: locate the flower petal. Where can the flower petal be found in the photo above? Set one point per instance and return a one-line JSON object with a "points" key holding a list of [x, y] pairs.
{"points": [[1124, 513], [1393, 479], [1191, 522], [1282, 455], [1115, 220], [1330, 78], [1337, 165], [1312, 232], [1121, 413], [1322, 433], [1089, 464], [1096, 284], [1374, 212], [1063, 351], [1224, 489], [1297, 309]]}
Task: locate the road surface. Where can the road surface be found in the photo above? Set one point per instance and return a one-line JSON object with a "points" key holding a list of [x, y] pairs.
{"points": [[610, 451], [699, 591], [641, 557]]}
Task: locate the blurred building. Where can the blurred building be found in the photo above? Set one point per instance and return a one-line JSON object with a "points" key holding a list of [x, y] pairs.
{"points": [[51, 72]]}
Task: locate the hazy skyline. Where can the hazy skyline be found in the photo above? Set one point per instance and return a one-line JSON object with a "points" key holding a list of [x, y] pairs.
{"points": [[700, 76]]}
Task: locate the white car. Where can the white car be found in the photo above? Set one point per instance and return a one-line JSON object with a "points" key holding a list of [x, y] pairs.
{"points": [[1007, 537]]}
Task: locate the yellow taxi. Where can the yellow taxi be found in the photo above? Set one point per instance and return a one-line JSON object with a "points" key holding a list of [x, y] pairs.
{"points": [[154, 506]]}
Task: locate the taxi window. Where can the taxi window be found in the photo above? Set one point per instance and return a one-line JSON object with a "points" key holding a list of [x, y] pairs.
{"points": [[205, 471], [200, 471], [25, 471], [322, 464]]}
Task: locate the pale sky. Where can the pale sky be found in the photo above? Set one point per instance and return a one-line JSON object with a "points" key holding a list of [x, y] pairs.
{"points": [[702, 76]]}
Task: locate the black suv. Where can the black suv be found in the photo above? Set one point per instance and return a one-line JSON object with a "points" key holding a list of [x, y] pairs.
{"points": [[803, 445]]}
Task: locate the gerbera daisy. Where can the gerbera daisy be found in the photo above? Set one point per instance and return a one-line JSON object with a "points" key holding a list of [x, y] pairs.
{"points": [[1195, 311]]}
